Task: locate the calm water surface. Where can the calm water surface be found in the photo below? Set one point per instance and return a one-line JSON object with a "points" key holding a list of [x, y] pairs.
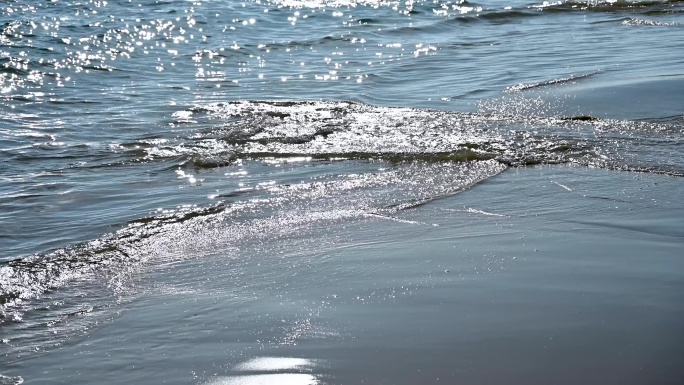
{"points": [[284, 176]]}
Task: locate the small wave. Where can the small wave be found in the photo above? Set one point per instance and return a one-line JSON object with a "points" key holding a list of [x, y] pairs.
{"points": [[568, 79], [643, 6], [581, 118], [496, 17], [355, 131], [304, 43], [649, 23], [507, 131]]}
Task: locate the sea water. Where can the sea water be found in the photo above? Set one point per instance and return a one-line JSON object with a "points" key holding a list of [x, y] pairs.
{"points": [[341, 191]]}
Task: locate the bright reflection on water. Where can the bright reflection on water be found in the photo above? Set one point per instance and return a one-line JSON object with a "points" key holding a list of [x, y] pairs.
{"points": [[275, 363], [382, 52], [267, 379], [285, 366]]}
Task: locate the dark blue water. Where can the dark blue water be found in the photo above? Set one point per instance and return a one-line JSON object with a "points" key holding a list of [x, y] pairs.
{"points": [[140, 134]]}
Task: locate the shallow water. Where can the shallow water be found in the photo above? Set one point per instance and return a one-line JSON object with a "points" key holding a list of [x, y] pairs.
{"points": [[292, 178], [573, 280]]}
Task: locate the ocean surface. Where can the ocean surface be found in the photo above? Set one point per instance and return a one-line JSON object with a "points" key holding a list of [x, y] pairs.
{"points": [[341, 192]]}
